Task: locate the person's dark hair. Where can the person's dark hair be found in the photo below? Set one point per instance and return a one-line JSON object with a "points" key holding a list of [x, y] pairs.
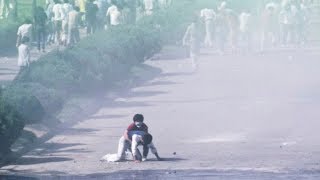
{"points": [[147, 139], [25, 39], [138, 118], [76, 8]]}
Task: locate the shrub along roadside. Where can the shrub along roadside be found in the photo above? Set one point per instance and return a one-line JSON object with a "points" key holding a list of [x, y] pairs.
{"points": [[11, 125]]}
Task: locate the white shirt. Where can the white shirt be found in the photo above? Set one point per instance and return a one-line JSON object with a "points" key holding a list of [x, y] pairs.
{"points": [[73, 19], [57, 12], [244, 19], [25, 30], [207, 14], [136, 140], [148, 5], [66, 8], [24, 55], [114, 14]]}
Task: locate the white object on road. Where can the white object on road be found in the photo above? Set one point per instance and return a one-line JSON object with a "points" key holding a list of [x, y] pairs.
{"points": [[115, 158], [289, 143]]}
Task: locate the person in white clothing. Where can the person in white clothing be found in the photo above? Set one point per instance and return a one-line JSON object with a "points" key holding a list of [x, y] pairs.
{"points": [[114, 15], [57, 20], [4, 9], [192, 43], [25, 30], [24, 53], [74, 22], [208, 15], [286, 20], [149, 6], [245, 19], [66, 9]]}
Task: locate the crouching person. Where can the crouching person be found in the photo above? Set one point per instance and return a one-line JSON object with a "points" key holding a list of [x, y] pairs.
{"points": [[146, 142]]}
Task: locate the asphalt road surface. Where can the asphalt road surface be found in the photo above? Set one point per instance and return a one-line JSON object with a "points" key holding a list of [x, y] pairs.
{"points": [[236, 117]]}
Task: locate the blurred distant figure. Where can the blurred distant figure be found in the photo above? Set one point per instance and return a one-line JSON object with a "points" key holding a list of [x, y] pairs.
{"points": [[191, 40], [57, 20], [233, 23], [113, 14], [245, 20], [149, 6], [221, 28], [82, 5], [132, 15], [163, 4], [269, 29], [208, 15], [40, 21], [50, 24], [4, 9], [24, 53], [286, 20], [66, 9], [25, 30], [74, 19], [102, 8], [91, 16], [303, 21], [13, 11]]}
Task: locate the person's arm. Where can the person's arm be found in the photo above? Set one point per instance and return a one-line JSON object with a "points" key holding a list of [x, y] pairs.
{"points": [[126, 135]]}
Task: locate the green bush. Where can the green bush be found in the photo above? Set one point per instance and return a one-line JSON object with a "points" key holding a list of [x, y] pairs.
{"points": [[24, 102], [96, 60], [11, 125]]}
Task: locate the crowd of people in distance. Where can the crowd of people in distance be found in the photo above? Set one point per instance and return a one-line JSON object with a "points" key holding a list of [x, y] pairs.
{"points": [[275, 25], [60, 21]]}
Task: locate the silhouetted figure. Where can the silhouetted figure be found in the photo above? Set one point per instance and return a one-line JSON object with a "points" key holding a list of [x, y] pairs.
{"points": [[91, 16], [40, 21]]}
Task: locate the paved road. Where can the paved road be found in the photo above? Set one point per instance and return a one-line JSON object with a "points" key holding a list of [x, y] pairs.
{"points": [[238, 117]]}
